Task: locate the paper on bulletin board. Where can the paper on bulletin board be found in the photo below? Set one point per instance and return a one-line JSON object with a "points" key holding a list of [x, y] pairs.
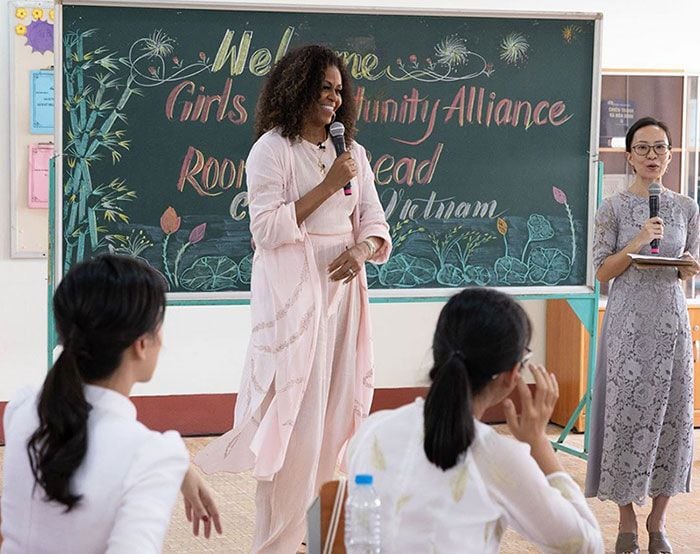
{"points": [[30, 28], [41, 97], [38, 174]]}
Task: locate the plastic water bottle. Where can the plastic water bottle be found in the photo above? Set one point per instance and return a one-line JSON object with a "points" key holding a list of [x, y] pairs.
{"points": [[363, 533]]}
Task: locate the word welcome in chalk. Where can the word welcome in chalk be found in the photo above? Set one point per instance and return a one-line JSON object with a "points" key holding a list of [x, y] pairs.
{"points": [[260, 61]]}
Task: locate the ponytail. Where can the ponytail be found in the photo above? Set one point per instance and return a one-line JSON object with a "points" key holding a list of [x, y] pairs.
{"points": [[479, 334], [101, 307], [447, 413], [58, 446]]}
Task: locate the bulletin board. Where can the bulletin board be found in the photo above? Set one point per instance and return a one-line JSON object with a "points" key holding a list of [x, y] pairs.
{"points": [[31, 81]]}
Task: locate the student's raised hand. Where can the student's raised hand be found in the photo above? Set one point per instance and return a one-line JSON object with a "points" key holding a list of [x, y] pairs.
{"points": [[530, 425], [199, 504]]}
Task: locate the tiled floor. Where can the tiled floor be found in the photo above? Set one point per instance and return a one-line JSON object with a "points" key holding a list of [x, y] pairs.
{"points": [[235, 495]]}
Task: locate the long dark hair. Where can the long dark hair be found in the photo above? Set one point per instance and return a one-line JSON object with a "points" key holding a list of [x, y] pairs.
{"points": [[101, 307], [480, 333], [293, 88], [645, 122]]}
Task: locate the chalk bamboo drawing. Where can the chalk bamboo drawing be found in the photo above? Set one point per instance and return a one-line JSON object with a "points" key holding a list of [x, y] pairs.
{"points": [[453, 61], [91, 118], [95, 101]]}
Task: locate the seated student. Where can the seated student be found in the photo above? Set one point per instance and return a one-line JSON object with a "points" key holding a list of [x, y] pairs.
{"points": [[81, 475], [449, 483]]}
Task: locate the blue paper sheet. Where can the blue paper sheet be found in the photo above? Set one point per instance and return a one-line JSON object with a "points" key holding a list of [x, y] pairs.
{"points": [[41, 92]]}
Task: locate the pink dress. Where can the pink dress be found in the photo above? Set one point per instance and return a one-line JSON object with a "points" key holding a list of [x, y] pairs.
{"points": [[308, 378]]}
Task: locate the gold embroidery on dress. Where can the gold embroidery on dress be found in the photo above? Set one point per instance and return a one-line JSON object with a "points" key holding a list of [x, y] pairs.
{"points": [[401, 502], [494, 531], [458, 483], [378, 460], [562, 487]]}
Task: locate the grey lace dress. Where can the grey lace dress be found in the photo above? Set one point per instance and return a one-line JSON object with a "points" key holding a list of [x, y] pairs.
{"points": [[642, 414]]}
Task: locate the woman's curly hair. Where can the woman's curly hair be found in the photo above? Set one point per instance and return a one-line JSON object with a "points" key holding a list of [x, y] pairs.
{"points": [[293, 88]]}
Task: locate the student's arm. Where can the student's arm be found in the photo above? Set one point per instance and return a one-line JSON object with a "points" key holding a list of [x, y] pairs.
{"points": [[550, 511], [150, 492]]}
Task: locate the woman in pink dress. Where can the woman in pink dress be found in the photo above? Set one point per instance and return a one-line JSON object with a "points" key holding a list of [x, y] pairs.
{"points": [[308, 377]]}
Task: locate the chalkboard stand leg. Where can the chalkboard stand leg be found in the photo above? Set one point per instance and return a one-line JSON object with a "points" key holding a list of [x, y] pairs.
{"points": [[586, 309]]}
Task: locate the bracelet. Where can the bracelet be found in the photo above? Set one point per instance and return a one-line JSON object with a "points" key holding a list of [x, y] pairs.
{"points": [[372, 248]]}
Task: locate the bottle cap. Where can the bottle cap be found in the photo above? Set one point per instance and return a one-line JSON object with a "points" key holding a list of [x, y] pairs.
{"points": [[363, 479]]}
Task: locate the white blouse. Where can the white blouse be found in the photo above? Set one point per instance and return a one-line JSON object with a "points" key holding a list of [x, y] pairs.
{"points": [[468, 507], [129, 480]]}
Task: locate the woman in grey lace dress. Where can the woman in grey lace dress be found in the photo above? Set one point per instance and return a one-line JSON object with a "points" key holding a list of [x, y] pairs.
{"points": [[642, 415]]}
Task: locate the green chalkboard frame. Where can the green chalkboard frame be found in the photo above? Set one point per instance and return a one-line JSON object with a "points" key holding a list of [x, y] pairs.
{"points": [[380, 294]]}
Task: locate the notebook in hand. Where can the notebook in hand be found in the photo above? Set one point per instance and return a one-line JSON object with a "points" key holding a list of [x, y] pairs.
{"points": [[641, 259]]}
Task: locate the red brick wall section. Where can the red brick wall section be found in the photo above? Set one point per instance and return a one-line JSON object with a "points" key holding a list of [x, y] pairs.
{"points": [[212, 414]]}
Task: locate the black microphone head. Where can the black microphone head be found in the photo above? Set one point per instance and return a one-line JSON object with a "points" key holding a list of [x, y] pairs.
{"points": [[336, 129], [654, 189], [337, 132]]}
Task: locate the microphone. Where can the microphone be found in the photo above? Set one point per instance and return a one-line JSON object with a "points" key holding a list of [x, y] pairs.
{"points": [[654, 191], [337, 132]]}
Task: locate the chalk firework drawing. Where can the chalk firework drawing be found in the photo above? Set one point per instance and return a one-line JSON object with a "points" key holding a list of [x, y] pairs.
{"points": [[454, 61]]}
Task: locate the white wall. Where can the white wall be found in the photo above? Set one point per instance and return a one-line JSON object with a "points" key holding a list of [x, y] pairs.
{"points": [[204, 347]]}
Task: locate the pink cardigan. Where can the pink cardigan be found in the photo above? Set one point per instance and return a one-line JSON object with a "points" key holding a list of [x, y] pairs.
{"points": [[285, 311]]}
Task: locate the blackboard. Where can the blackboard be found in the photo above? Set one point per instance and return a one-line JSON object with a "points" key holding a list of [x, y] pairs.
{"points": [[479, 131]]}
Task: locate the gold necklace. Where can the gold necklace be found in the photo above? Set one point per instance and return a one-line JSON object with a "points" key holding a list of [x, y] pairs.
{"points": [[319, 150]]}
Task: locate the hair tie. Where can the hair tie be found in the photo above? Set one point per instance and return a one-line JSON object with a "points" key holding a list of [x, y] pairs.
{"points": [[458, 354]]}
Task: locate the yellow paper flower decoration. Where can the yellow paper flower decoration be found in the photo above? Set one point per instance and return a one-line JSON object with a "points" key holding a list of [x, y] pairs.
{"points": [[21, 29], [37, 13], [21, 13], [51, 15]]}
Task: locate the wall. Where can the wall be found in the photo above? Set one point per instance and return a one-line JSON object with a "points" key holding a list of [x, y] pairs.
{"points": [[204, 347]]}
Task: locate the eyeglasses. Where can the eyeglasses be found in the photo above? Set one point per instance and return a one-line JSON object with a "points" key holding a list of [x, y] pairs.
{"points": [[525, 360], [660, 149]]}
